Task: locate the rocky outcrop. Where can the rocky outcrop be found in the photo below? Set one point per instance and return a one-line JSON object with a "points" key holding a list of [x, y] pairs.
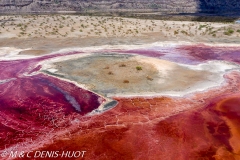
{"points": [[115, 5]]}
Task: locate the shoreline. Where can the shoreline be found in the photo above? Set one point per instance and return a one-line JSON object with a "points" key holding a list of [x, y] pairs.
{"points": [[202, 87], [14, 51], [49, 33], [39, 47]]}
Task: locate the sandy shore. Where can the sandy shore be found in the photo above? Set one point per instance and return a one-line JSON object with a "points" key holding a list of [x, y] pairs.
{"points": [[43, 34]]}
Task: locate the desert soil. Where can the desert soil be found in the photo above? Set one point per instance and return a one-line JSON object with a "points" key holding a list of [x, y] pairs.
{"points": [[48, 33]]}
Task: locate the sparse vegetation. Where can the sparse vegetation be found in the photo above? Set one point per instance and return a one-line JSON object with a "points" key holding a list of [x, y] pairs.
{"points": [[229, 32], [57, 26], [139, 68], [202, 26]]}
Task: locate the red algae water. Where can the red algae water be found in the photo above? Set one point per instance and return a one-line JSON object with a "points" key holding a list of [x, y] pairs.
{"points": [[191, 54], [205, 53], [53, 114], [30, 105]]}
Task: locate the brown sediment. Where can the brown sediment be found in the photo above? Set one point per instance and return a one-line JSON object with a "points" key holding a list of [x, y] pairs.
{"points": [[34, 52], [229, 109]]}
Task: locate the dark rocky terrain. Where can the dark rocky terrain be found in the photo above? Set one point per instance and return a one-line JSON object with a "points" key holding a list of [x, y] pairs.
{"points": [[11, 6]]}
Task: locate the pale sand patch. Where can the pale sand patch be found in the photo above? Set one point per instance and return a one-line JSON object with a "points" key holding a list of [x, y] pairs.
{"points": [[217, 70], [9, 51], [116, 75]]}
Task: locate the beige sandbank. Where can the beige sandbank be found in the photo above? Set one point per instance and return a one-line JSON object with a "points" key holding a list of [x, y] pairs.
{"points": [[49, 33]]}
